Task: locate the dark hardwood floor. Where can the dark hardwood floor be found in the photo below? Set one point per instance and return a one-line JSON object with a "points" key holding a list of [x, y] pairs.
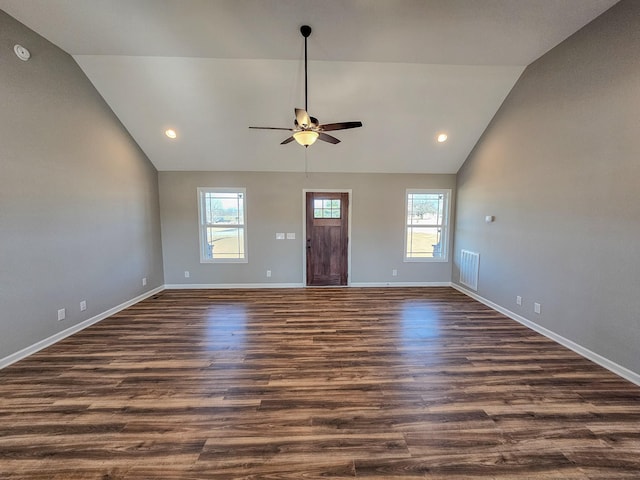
{"points": [[314, 383]]}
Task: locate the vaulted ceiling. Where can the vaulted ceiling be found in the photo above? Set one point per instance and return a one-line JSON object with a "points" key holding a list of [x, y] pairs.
{"points": [[408, 69]]}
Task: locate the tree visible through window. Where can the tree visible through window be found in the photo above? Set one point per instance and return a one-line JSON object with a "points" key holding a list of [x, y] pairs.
{"points": [[222, 225], [427, 218]]}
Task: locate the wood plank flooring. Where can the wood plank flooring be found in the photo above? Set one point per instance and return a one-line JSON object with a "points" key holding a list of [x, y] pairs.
{"points": [[314, 383]]}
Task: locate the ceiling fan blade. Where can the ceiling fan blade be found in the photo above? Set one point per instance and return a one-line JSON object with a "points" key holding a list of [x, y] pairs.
{"points": [[273, 128], [327, 138], [302, 117], [340, 126], [288, 140]]}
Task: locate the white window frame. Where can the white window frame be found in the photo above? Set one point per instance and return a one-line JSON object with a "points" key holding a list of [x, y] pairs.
{"points": [[202, 225], [444, 234]]}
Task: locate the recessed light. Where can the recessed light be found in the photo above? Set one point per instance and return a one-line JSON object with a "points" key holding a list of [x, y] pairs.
{"points": [[170, 133], [442, 137]]}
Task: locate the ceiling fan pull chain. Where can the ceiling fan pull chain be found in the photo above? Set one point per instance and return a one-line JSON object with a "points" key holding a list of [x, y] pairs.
{"points": [[306, 164]]}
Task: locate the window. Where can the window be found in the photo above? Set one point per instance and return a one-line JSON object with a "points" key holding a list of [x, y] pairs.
{"points": [[427, 225], [325, 208], [223, 226]]}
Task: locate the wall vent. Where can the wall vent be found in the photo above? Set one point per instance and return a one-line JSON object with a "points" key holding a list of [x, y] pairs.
{"points": [[469, 265]]}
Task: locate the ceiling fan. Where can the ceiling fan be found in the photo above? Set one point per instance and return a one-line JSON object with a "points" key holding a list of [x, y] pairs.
{"points": [[307, 129]]}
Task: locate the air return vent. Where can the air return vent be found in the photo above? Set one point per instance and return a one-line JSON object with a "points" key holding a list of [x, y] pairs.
{"points": [[469, 264]]}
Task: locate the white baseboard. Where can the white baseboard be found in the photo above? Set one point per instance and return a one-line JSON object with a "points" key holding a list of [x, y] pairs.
{"points": [[36, 347], [571, 345], [579, 349], [400, 284], [196, 286]]}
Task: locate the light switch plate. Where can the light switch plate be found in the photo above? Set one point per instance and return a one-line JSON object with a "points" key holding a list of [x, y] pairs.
{"points": [[291, 236], [279, 236]]}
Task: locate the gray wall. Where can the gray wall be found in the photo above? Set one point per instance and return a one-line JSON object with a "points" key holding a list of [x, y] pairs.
{"points": [[79, 211], [559, 167], [275, 204]]}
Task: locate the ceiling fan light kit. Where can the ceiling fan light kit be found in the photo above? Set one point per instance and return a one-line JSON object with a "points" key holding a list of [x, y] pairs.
{"points": [[306, 137], [307, 129]]}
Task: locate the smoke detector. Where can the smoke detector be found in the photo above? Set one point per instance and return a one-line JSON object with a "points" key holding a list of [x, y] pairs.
{"points": [[22, 53]]}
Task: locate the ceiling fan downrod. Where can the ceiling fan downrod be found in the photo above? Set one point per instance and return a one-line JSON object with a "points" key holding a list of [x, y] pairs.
{"points": [[305, 30]]}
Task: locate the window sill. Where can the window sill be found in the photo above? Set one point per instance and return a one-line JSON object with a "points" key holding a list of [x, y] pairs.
{"points": [[426, 260], [226, 260]]}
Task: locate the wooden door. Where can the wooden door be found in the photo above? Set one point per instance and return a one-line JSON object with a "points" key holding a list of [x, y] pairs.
{"points": [[327, 238]]}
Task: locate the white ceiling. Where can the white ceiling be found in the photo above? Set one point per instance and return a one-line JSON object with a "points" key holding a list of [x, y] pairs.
{"points": [[408, 69]]}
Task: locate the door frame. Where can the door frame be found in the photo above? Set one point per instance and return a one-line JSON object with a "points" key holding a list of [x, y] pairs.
{"points": [[348, 191]]}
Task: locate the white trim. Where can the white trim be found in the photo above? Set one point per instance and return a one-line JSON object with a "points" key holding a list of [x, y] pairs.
{"points": [[444, 241], [202, 225], [304, 228], [401, 284], [571, 345], [579, 349], [47, 342], [204, 286], [423, 259]]}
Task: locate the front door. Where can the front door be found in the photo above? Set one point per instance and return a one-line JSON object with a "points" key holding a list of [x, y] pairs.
{"points": [[327, 238]]}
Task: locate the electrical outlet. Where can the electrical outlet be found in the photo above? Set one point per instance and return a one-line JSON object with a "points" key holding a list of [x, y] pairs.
{"points": [[279, 236], [186, 274], [394, 272], [144, 281], [83, 305], [536, 307], [62, 313], [291, 236], [268, 273], [518, 300]]}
